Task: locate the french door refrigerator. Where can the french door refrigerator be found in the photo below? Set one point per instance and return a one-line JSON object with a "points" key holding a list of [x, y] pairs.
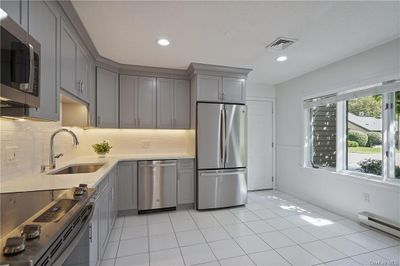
{"points": [[221, 155]]}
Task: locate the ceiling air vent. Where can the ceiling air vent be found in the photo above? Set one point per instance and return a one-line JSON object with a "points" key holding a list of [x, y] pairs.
{"points": [[280, 44]]}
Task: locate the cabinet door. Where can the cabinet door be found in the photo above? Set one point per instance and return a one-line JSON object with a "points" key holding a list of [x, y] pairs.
{"points": [[68, 60], [127, 186], [94, 237], [43, 27], [165, 102], [234, 90], [13, 9], [107, 98], [186, 186], [128, 86], [103, 219], [209, 88], [112, 204], [82, 74], [181, 104], [147, 102]]}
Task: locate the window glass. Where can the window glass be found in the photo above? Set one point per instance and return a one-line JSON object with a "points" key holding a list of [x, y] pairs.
{"points": [[323, 136], [397, 135], [364, 135]]}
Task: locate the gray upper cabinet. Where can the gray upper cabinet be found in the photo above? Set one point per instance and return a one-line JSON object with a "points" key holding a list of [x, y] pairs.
{"points": [[43, 26], [147, 102], [82, 73], [68, 60], [209, 88], [74, 64], [128, 87], [17, 10], [173, 103], [138, 102], [220, 89], [233, 90], [165, 103], [181, 104], [107, 98]]}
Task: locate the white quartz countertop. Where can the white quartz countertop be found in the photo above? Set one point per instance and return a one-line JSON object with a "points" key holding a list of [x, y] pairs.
{"points": [[46, 181]]}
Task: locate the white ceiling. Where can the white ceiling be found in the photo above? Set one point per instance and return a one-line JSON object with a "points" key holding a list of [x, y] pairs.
{"points": [[236, 33]]}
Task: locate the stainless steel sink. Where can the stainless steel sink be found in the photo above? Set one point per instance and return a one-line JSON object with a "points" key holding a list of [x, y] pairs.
{"points": [[78, 169]]}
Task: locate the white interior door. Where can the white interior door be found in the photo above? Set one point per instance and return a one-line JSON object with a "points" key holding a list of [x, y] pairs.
{"points": [[260, 150]]}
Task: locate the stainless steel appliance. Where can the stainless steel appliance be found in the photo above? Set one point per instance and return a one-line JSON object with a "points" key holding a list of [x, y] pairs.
{"points": [[221, 155], [156, 185], [51, 235], [20, 67]]}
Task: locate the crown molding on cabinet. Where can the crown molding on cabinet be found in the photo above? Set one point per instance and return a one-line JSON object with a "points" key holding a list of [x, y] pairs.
{"points": [[206, 69]]}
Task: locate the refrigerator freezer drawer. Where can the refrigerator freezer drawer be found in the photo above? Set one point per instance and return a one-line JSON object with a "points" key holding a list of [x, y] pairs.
{"points": [[222, 188], [156, 185]]}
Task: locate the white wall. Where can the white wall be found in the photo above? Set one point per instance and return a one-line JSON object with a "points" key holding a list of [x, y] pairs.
{"points": [[260, 90], [333, 191], [32, 142]]}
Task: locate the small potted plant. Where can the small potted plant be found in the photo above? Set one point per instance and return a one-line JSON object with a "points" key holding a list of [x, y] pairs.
{"points": [[102, 148]]}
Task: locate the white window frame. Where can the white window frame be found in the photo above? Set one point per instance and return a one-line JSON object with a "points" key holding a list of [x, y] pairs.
{"points": [[388, 92]]}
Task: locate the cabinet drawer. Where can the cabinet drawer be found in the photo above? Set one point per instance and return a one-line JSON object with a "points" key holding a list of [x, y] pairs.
{"points": [[185, 164]]}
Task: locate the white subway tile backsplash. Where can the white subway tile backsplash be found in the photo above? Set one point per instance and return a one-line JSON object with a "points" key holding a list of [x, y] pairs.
{"points": [[33, 141]]}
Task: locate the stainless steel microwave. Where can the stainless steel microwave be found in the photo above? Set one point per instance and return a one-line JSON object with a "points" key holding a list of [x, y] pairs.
{"points": [[20, 66]]}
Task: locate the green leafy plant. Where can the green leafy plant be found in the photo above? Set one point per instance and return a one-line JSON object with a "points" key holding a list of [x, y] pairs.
{"points": [[371, 166], [359, 137], [352, 144], [374, 138], [102, 148]]}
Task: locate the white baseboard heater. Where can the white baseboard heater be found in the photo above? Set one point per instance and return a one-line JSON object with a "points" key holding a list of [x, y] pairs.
{"points": [[380, 223]]}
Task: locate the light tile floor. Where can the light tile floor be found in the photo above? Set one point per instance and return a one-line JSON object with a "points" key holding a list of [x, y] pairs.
{"points": [[273, 229]]}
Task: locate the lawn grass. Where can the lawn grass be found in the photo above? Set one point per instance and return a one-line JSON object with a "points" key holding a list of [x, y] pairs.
{"points": [[365, 150]]}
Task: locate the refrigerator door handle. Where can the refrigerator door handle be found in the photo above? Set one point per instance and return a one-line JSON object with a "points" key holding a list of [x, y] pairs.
{"points": [[222, 174], [221, 136], [226, 141]]}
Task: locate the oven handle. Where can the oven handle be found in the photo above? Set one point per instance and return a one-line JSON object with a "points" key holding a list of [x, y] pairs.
{"points": [[68, 250], [31, 69]]}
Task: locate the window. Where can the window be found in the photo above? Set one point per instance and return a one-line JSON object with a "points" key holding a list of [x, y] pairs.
{"points": [[356, 131], [364, 135], [323, 128]]}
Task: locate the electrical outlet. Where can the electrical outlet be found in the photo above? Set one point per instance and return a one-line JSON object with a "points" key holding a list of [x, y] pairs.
{"points": [[366, 197], [11, 154]]}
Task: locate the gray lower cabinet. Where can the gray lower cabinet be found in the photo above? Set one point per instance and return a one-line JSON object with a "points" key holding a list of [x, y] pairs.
{"points": [[107, 98], [43, 26], [185, 182], [137, 102], [173, 103], [94, 237], [127, 186], [103, 218]]}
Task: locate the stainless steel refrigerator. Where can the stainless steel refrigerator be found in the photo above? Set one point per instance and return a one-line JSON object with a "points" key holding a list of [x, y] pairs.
{"points": [[221, 155]]}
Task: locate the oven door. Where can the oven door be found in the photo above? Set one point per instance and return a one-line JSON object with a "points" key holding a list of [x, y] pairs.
{"points": [[20, 65], [77, 252]]}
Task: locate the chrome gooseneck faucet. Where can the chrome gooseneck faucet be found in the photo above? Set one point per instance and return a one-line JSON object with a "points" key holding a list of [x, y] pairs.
{"points": [[52, 156]]}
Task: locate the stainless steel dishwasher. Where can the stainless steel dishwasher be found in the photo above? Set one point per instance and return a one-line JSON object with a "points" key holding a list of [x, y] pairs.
{"points": [[156, 185]]}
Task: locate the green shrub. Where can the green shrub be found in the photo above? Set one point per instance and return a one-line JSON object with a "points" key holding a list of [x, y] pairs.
{"points": [[352, 144], [359, 137], [374, 138], [371, 166]]}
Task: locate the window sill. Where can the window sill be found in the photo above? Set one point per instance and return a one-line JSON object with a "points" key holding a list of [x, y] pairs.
{"points": [[390, 182]]}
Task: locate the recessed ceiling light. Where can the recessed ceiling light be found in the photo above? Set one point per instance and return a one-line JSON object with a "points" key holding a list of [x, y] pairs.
{"points": [[281, 58], [163, 42]]}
